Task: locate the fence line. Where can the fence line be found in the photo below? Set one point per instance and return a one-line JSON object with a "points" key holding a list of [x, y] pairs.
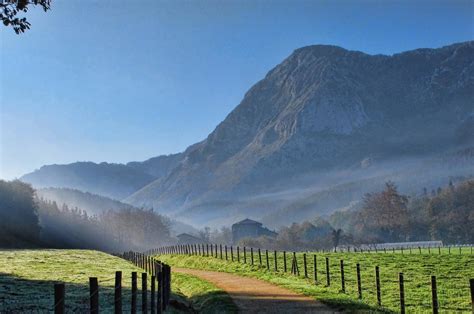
{"points": [[352, 285], [160, 278]]}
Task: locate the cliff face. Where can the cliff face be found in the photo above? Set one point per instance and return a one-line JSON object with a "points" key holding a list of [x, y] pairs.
{"points": [[326, 108]]}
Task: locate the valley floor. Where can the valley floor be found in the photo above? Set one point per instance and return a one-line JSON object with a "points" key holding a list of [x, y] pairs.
{"points": [[252, 295], [453, 270]]}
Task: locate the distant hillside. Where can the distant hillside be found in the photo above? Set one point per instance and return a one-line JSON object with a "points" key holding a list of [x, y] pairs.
{"points": [[96, 204], [92, 203], [112, 180]]}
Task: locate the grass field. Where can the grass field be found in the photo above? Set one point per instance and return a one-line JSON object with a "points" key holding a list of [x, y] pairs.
{"points": [[453, 272], [27, 278]]}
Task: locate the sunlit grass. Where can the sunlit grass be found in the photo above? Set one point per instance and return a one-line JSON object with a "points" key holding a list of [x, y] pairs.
{"points": [[27, 278], [453, 272]]}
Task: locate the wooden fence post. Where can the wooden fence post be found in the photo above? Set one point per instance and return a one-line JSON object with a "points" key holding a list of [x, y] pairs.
{"points": [[284, 261], [343, 283], [94, 295], [295, 268], [220, 250], [328, 276], [434, 295], [118, 292], [251, 256], [226, 253], [377, 285], [245, 255], [231, 253], [134, 292], [471, 284], [238, 254], [260, 257], [152, 295], [402, 293], [315, 268], [144, 293], [359, 284], [59, 293], [216, 250], [159, 289], [276, 262]]}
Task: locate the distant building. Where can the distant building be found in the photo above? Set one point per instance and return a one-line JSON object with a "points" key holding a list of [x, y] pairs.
{"points": [[185, 238], [249, 228]]}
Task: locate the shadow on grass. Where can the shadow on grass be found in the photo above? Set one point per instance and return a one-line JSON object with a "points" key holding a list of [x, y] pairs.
{"points": [[20, 295], [208, 302]]}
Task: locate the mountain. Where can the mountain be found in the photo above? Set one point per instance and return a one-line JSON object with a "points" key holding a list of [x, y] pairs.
{"points": [[317, 132], [112, 180], [323, 109]]}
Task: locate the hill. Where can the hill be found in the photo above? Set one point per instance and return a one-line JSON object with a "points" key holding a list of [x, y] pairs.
{"points": [[325, 109], [112, 180], [92, 203]]}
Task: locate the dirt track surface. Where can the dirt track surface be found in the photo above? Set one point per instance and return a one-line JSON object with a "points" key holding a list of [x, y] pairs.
{"points": [[256, 296]]}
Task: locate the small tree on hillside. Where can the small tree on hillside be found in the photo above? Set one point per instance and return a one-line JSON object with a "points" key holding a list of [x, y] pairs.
{"points": [[384, 215], [336, 238]]}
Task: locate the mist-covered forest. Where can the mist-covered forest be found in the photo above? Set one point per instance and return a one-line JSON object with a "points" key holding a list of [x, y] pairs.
{"points": [[445, 214], [27, 221]]}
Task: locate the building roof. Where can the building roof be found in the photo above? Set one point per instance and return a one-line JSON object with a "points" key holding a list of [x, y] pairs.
{"points": [[247, 221], [187, 235]]}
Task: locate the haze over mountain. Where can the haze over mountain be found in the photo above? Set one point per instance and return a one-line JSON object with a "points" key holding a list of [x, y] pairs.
{"points": [[325, 116], [91, 203], [112, 180]]}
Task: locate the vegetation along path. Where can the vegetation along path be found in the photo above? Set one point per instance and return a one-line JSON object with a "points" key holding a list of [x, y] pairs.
{"points": [[256, 296]]}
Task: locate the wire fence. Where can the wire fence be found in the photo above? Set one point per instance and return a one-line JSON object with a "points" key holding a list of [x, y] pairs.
{"points": [[153, 300], [430, 279]]}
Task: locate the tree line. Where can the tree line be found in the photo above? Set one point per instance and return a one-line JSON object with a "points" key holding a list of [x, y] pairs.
{"points": [[384, 217], [27, 222]]}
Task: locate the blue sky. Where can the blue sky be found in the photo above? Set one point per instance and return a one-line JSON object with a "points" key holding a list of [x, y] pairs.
{"points": [[116, 80]]}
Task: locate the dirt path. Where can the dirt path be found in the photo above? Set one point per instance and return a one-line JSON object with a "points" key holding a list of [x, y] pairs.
{"points": [[256, 296]]}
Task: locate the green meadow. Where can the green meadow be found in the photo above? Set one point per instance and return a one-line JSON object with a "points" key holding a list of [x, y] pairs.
{"points": [[452, 270], [27, 278]]}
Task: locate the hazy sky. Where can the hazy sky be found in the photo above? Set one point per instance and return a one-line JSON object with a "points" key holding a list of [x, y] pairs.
{"points": [[128, 80]]}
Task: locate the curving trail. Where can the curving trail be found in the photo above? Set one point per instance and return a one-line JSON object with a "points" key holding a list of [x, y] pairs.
{"points": [[256, 296]]}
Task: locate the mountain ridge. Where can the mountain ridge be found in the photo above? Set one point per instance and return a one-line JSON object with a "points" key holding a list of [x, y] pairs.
{"points": [[332, 110], [324, 108]]}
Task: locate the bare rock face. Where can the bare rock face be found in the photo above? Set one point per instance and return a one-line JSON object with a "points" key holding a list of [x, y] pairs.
{"points": [[324, 108]]}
